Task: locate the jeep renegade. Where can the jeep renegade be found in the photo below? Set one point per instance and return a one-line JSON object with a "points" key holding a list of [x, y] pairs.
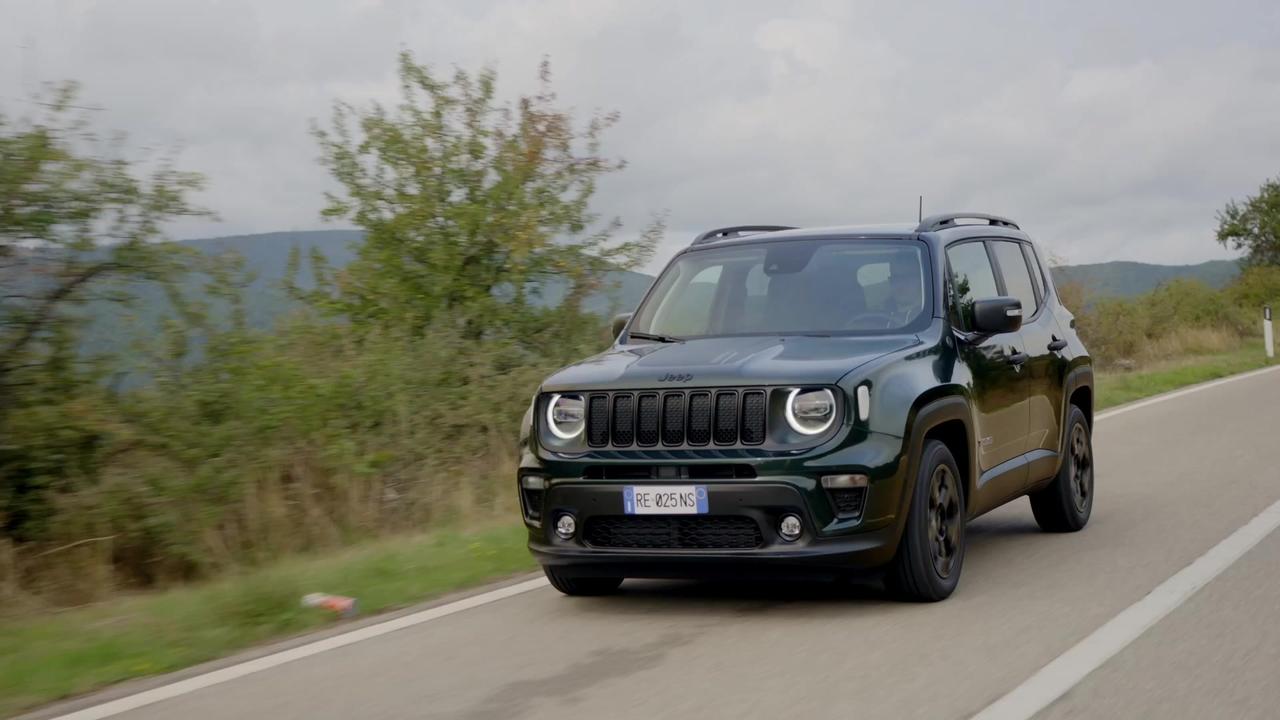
{"points": [[815, 402]]}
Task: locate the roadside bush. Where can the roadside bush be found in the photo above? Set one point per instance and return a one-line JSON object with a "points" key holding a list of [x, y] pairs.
{"points": [[1181, 317], [1257, 286], [312, 438]]}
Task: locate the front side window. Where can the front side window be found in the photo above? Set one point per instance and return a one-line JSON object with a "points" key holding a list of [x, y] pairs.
{"points": [[972, 278], [791, 287]]}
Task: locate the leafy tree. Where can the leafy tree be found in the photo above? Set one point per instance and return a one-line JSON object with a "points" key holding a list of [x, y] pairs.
{"points": [[1257, 286], [77, 225], [470, 206], [1254, 226]]}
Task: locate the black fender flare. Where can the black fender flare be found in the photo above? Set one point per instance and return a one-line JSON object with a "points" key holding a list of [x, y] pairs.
{"points": [[929, 416], [1078, 377]]}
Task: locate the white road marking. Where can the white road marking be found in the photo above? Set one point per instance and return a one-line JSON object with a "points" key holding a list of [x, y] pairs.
{"points": [[216, 677], [1068, 669], [1021, 694]]}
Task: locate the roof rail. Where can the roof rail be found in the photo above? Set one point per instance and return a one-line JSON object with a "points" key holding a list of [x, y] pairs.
{"points": [[946, 220], [736, 231]]}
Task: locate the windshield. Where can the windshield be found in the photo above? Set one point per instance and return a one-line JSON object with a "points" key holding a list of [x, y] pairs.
{"points": [[794, 287]]}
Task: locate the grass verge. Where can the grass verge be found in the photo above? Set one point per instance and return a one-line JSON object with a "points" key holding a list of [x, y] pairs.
{"points": [[1117, 388], [46, 657]]}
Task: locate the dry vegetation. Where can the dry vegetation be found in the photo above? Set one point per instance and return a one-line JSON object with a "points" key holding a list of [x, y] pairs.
{"points": [[1178, 319]]}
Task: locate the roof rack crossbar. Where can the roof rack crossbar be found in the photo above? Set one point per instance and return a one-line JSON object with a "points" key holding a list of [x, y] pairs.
{"points": [[737, 231], [946, 220]]}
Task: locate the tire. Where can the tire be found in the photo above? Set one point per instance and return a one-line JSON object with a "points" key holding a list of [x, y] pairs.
{"points": [[930, 555], [581, 586], [1067, 502]]}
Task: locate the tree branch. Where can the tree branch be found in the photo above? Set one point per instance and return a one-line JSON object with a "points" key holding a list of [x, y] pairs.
{"points": [[42, 313]]}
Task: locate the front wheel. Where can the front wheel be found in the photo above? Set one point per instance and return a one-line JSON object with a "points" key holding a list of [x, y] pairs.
{"points": [[931, 553], [1065, 505], [570, 585]]}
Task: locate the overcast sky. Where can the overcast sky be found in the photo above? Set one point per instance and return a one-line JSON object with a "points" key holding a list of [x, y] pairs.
{"points": [[1110, 130]]}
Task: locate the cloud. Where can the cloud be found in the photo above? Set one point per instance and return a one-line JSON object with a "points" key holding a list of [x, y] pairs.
{"points": [[1109, 131]]}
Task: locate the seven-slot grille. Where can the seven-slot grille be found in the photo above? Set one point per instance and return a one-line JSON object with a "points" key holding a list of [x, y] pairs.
{"points": [[676, 418]]}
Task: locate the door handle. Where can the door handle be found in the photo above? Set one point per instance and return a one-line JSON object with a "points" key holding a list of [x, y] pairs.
{"points": [[1056, 345], [1018, 358]]}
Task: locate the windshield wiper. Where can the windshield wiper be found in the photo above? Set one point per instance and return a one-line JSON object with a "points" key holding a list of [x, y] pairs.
{"points": [[656, 338]]}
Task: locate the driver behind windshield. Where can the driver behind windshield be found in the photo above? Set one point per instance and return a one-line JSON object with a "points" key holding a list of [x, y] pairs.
{"points": [[818, 286], [905, 292]]}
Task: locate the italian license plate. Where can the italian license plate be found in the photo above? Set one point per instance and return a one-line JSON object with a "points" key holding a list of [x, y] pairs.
{"points": [[664, 499]]}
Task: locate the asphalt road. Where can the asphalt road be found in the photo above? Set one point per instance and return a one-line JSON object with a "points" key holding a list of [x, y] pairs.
{"points": [[1174, 479]]}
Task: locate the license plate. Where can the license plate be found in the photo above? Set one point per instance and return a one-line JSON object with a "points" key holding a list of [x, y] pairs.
{"points": [[664, 499]]}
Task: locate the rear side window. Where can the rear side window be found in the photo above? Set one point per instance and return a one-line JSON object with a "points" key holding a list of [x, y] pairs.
{"points": [[971, 279], [1017, 277]]}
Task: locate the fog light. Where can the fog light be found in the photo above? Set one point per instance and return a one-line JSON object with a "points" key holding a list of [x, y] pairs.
{"points": [[790, 527], [566, 526], [533, 482], [842, 482]]}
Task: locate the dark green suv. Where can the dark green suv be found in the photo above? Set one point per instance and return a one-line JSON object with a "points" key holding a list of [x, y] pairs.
{"points": [[815, 402]]}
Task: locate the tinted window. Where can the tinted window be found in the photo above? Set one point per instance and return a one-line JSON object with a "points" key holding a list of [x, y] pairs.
{"points": [[971, 279], [1017, 279], [793, 287], [1035, 271]]}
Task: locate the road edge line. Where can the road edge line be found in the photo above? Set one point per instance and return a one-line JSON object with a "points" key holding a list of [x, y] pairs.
{"points": [[266, 662], [1066, 671]]}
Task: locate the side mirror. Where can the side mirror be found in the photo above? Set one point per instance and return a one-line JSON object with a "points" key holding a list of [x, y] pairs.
{"points": [[620, 322], [997, 315]]}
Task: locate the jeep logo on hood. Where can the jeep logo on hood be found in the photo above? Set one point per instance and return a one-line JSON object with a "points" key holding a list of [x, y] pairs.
{"points": [[676, 377]]}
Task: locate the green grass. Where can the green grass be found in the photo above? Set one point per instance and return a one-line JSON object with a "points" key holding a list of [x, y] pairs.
{"points": [[46, 657], [1116, 388], [50, 656]]}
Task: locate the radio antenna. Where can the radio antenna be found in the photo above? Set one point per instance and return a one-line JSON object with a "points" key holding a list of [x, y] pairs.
{"points": [[920, 210]]}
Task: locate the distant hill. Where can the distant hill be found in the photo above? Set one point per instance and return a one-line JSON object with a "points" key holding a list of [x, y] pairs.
{"points": [[1126, 279], [266, 256]]}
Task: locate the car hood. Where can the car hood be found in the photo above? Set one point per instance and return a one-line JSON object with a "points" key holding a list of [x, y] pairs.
{"points": [[726, 361]]}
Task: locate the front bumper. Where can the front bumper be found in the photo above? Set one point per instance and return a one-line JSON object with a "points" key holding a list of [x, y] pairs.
{"points": [[827, 548]]}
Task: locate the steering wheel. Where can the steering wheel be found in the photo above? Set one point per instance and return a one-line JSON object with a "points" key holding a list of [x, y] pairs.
{"points": [[884, 321]]}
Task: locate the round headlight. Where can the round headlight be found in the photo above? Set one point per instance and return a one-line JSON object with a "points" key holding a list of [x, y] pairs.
{"points": [[566, 415], [811, 412]]}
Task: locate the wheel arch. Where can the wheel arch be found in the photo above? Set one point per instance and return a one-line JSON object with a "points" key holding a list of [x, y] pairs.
{"points": [[948, 418], [1078, 390]]}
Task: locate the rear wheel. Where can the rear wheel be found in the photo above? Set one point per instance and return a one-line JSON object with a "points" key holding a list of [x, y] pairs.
{"points": [[931, 553], [570, 585], [1065, 505]]}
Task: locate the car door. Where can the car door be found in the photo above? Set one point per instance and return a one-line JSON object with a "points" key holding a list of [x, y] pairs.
{"points": [[997, 385], [1045, 369]]}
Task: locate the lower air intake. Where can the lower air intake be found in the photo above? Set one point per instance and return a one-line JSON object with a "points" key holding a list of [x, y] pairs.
{"points": [[532, 503], [848, 502], [700, 532]]}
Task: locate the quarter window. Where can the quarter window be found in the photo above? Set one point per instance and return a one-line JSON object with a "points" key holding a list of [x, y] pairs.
{"points": [[1017, 278], [1036, 273], [971, 279]]}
